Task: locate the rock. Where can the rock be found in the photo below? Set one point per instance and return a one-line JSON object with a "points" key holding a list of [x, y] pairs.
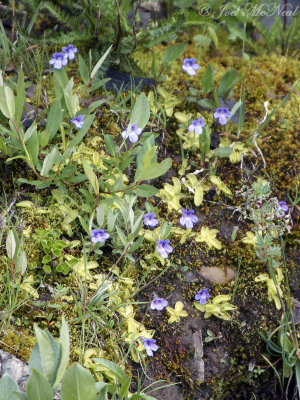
{"points": [[190, 277], [15, 368], [216, 274], [123, 80], [214, 140]]}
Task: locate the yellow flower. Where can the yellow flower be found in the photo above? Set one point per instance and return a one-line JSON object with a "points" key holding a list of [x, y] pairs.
{"points": [[176, 313]]}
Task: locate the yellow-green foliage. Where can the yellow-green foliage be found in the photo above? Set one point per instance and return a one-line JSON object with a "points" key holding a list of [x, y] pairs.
{"points": [[176, 313], [272, 291], [218, 306]]}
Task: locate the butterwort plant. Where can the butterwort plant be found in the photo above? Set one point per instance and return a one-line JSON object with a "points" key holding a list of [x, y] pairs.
{"points": [[197, 126], [59, 60], [70, 51], [150, 220], [158, 303], [202, 296], [150, 346], [164, 248], [188, 218], [190, 66], [132, 133], [99, 235], [78, 121], [223, 115]]}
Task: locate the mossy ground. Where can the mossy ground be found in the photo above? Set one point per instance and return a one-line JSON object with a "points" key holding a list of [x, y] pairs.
{"points": [[265, 78]]}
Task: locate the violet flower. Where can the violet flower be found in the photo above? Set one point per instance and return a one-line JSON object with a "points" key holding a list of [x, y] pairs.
{"points": [[164, 248], [158, 303], [197, 126], [98, 235], [150, 346], [223, 114], [78, 121], [283, 207], [188, 219], [150, 220], [70, 51], [202, 296], [59, 60], [190, 66], [132, 133]]}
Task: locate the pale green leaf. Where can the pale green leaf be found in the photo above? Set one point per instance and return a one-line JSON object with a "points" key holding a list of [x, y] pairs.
{"points": [[78, 384]]}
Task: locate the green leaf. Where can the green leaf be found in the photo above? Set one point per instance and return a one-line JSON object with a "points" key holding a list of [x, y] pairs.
{"points": [[88, 170], [65, 352], [208, 80], [198, 196], [110, 145], [145, 190], [37, 184], [20, 100], [78, 384], [114, 368], [297, 370], [46, 351], [213, 35], [84, 70], [136, 244], [206, 103], [33, 145], [223, 151], [10, 245], [72, 103], [141, 112], [99, 63], [21, 396], [30, 131], [88, 120], [235, 108], [229, 79], [100, 216], [143, 396], [38, 387], [111, 219], [60, 81], [156, 170], [7, 388], [21, 263], [54, 119], [172, 53], [241, 115], [49, 161], [84, 224]]}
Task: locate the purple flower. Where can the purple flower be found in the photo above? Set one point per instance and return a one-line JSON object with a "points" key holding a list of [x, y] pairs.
{"points": [[132, 133], [202, 296], [158, 304], [78, 121], [70, 51], [223, 114], [164, 248], [150, 219], [197, 126], [190, 66], [59, 60], [150, 346], [188, 219], [283, 207], [98, 235]]}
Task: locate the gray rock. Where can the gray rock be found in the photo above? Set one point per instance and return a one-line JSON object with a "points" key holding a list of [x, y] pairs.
{"points": [[15, 368]]}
